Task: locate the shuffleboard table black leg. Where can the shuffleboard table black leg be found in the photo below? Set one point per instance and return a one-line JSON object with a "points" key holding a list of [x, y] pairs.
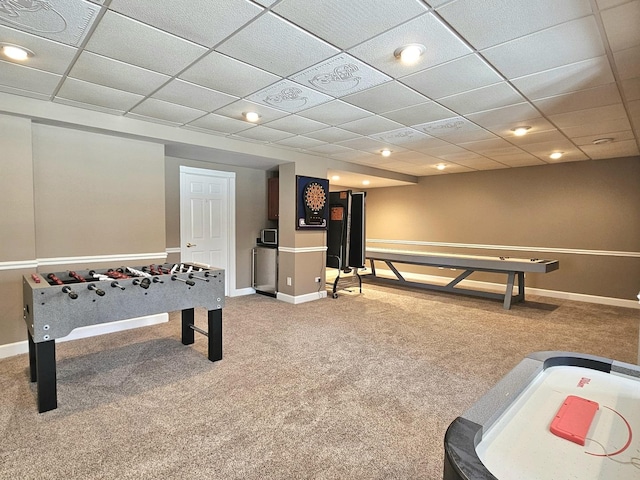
{"points": [[215, 334], [187, 321], [45, 356]]}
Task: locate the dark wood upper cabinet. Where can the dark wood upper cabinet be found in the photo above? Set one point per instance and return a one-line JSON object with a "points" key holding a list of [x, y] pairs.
{"points": [[273, 193]]}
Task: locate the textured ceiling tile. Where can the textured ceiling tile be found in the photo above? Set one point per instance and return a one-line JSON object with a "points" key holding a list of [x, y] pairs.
{"points": [[200, 21], [194, 96], [49, 56], [614, 136], [289, 96], [442, 45], [445, 79], [330, 149], [25, 78], [567, 43], [221, 124], [622, 25], [93, 94], [580, 100], [300, 141], [264, 134], [340, 75], [277, 46], [401, 136], [631, 89], [112, 73], [600, 128], [499, 21], [627, 62], [625, 148], [346, 24], [511, 114], [567, 78], [228, 75], [63, 21], [523, 159], [591, 115], [386, 97], [170, 112], [366, 144], [418, 114], [236, 110], [116, 34], [485, 98], [332, 134], [296, 124], [334, 113], [461, 128], [370, 125]]}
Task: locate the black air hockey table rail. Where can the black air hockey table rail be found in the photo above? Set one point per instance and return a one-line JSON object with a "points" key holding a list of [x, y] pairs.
{"points": [[57, 303], [512, 267]]}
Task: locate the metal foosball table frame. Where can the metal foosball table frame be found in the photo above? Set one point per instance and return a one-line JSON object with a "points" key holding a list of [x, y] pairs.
{"points": [[57, 303]]}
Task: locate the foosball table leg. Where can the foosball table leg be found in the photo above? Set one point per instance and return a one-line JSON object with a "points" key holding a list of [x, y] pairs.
{"points": [[187, 330], [215, 334], [42, 368]]}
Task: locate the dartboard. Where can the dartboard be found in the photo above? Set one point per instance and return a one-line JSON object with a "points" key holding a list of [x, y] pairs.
{"points": [[314, 196]]}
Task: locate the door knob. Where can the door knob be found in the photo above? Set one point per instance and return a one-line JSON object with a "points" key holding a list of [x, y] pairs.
{"points": [[191, 245]]}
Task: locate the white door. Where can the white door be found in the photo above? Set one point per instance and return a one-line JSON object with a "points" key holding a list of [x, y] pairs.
{"points": [[207, 229]]}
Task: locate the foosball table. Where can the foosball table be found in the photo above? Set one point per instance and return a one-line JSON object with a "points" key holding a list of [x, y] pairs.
{"points": [[57, 303]]}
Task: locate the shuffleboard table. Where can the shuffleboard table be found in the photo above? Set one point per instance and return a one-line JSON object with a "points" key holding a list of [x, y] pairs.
{"points": [[512, 267]]}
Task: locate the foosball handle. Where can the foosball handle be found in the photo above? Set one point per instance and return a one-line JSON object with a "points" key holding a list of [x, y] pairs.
{"points": [[117, 285], [72, 295], [98, 291]]}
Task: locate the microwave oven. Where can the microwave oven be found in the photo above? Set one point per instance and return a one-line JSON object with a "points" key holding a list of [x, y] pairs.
{"points": [[269, 236]]}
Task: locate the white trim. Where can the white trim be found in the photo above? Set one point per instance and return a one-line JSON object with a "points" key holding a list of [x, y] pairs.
{"points": [[302, 249], [173, 250], [101, 258], [243, 291], [309, 297], [18, 348], [573, 251], [19, 265], [230, 271], [43, 262], [499, 288]]}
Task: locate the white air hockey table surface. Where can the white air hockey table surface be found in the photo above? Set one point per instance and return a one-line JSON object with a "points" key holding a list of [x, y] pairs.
{"points": [[513, 438]]}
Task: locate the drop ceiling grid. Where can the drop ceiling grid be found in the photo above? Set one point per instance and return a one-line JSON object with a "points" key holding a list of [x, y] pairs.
{"points": [[475, 74]]}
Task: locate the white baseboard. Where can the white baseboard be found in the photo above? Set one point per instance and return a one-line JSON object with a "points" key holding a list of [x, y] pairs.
{"points": [[309, 297], [242, 291], [18, 348], [500, 288]]}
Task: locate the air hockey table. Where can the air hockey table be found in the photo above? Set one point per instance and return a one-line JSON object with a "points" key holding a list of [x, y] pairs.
{"points": [[514, 268], [556, 415]]}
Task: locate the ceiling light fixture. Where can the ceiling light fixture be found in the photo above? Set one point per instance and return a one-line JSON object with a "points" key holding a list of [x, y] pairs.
{"points": [[15, 52], [385, 153], [555, 155], [441, 166], [366, 182], [251, 116], [602, 141], [335, 177], [410, 53], [519, 131]]}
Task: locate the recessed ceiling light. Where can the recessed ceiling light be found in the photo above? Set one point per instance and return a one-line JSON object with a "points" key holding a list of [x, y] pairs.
{"points": [[555, 155], [602, 141], [386, 152], [519, 131], [410, 53], [251, 116], [335, 177], [15, 52], [441, 166], [366, 182]]}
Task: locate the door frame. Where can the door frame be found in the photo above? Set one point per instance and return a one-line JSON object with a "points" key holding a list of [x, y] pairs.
{"points": [[230, 177]]}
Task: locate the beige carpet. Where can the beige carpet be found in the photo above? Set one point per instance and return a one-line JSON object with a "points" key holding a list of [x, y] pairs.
{"points": [[358, 387]]}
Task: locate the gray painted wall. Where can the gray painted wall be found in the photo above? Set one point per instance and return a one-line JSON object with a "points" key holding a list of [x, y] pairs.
{"points": [[591, 205]]}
